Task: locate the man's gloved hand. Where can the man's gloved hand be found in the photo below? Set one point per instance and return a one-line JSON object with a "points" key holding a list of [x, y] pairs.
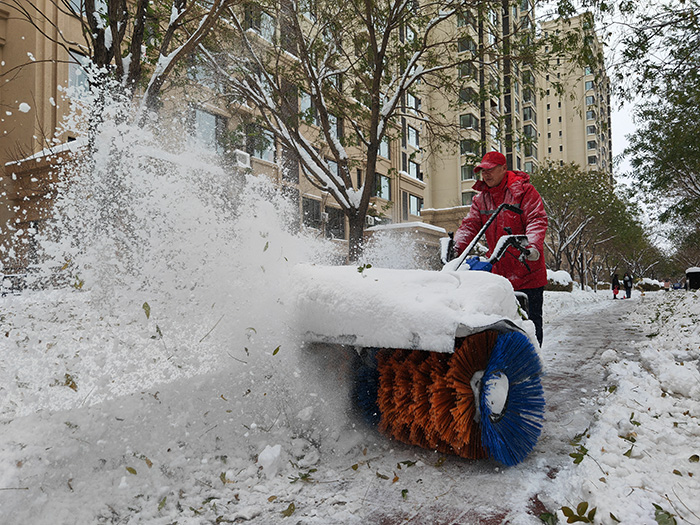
{"points": [[533, 254], [476, 264]]}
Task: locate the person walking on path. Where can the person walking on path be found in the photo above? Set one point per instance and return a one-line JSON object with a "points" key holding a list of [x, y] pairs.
{"points": [[615, 286], [627, 282], [499, 185]]}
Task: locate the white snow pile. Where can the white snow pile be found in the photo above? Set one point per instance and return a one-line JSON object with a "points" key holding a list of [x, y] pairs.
{"points": [[559, 277], [412, 309], [639, 462]]}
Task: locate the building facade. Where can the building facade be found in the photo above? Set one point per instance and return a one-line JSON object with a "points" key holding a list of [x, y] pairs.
{"points": [[575, 121]]}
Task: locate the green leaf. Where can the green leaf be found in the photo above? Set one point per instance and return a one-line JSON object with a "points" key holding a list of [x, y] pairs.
{"points": [[582, 508], [162, 503], [567, 512], [663, 517], [614, 518], [629, 452], [276, 350], [131, 470], [147, 309], [267, 245], [548, 518], [404, 493], [290, 510], [382, 476], [355, 466], [222, 477], [694, 458]]}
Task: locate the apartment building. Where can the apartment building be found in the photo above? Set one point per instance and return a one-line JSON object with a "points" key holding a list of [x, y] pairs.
{"points": [[496, 110], [575, 122]]}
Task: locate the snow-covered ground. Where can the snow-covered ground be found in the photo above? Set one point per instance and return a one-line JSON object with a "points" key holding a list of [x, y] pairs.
{"points": [[103, 423]]}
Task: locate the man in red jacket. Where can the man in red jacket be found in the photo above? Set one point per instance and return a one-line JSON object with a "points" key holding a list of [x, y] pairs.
{"points": [[499, 185]]}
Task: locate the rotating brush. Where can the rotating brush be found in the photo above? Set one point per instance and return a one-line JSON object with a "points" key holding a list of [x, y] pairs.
{"points": [[426, 398], [511, 399]]}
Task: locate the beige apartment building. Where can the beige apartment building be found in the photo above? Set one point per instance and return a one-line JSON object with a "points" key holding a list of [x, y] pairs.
{"points": [[495, 120], [575, 126]]}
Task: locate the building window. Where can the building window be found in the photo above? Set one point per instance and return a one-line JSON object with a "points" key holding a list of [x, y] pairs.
{"points": [[412, 102], [530, 151], [466, 43], [468, 147], [529, 165], [561, 148], [467, 197], [384, 149], [589, 85], [414, 170], [335, 227], [468, 121], [590, 114], [529, 114], [260, 22], [592, 159], [592, 144], [529, 131], [306, 108], [591, 130], [77, 77], [383, 187], [411, 205], [209, 129], [311, 213], [468, 70], [468, 96], [590, 100], [467, 172], [413, 137]]}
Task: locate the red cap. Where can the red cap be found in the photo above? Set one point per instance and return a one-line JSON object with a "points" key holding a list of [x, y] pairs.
{"points": [[491, 160]]}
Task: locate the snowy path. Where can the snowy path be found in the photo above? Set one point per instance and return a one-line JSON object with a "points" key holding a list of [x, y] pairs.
{"points": [[572, 351]]}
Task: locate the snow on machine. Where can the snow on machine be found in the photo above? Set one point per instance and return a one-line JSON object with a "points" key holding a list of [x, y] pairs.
{"points": [[444, 360]]}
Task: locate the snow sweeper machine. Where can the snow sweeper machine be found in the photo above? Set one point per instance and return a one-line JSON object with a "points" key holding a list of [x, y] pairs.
{"points": [[445, 360]]}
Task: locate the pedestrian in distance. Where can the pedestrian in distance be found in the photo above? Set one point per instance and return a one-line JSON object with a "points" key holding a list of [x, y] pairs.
{"points": [[615, 286], [627, 282], [498, 184]]}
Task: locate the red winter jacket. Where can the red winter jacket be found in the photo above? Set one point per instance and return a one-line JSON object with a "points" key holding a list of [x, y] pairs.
{"points": [[514, 189]]}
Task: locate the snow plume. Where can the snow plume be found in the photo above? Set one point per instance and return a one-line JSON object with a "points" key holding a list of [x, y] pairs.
{"points": [[178, 265]]}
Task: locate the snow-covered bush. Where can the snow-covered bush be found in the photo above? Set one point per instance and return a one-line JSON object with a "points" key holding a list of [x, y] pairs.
{"points": [[649, 285], [559, 281]]}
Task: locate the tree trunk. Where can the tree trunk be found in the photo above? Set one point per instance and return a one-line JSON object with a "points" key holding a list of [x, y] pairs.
{"points": [[356, 237]]}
